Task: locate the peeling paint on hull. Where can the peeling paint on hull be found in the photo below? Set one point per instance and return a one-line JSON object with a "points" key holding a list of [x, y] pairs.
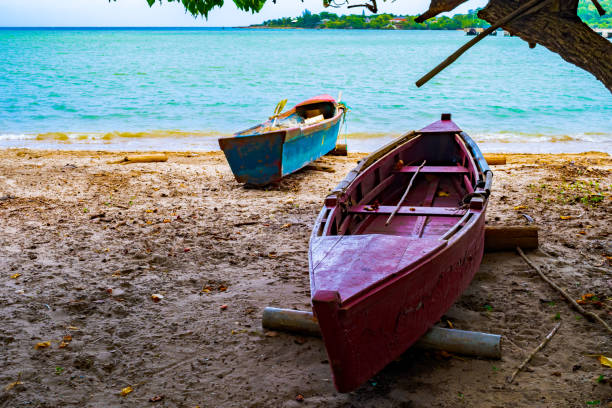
{"points": [[264, 158]]}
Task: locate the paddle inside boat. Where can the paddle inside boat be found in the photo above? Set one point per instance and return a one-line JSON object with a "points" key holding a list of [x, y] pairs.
{"points": [[395, 245], [286, 142]]}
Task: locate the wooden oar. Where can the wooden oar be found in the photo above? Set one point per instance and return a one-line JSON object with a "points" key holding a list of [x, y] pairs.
{"points": [[397, 207], [277, 111]]}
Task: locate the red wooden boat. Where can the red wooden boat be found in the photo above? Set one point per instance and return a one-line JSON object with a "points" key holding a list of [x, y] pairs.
{"points": [[378, 286]]}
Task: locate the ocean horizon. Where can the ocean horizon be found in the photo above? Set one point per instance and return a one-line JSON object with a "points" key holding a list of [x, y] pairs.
{"points": [[180, 88]]}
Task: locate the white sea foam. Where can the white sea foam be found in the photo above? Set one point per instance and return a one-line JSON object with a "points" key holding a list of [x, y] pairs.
{"points": [[15, 136], [175, 140]]}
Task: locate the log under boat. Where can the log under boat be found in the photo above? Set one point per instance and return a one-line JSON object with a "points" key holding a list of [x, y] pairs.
{"points": [[265, 153], [378, 284]]}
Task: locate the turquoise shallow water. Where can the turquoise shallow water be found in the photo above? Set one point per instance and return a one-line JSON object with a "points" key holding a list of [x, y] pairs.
{"points": [[179, 89]]}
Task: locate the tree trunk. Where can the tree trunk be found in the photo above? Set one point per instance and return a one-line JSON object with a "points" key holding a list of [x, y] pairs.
{"points": [[561, 31]]}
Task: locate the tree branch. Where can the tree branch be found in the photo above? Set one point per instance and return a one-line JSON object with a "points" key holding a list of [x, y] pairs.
{"points": [[561, 32], [600, 9], [372, 6]]}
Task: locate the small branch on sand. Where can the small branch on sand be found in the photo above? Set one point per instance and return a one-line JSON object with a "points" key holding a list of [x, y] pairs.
{"points": [[533, 353], [146, 158], [315, 167], [589, 315], [241, 224]]}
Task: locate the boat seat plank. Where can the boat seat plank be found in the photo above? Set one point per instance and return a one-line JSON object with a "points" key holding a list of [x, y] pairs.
{"points": [[433, 169], [408, 210]]}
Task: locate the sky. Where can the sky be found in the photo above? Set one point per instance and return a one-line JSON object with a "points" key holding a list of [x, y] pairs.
{"points": [[136, 13]]}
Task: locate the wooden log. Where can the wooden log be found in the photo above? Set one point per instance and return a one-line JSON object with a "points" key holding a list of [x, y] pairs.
{"points": [[292, 321], [437, 338], [507, 238], [143, 158], [339, 150], [495, 159]]}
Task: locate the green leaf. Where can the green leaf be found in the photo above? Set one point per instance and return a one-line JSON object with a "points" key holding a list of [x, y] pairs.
{"points": [[198, 8]]}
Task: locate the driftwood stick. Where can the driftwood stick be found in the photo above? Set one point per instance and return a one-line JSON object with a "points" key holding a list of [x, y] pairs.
{"points": [[533, 353], [405, 194], [495, 159], [589, 315], [453, 57], [143, 158]]}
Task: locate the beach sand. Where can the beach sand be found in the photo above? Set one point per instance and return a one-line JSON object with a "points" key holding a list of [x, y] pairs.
{"points": [[85, 243]]}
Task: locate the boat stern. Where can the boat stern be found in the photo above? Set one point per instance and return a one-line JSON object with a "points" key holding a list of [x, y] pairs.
{"points": [[255, 159]]}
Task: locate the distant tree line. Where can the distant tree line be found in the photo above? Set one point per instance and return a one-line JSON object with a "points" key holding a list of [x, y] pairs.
{"points": [[586, 11], [378, 21]]}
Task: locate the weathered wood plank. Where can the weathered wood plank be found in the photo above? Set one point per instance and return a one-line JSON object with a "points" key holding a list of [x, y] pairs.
{"points": [[507, 238]]}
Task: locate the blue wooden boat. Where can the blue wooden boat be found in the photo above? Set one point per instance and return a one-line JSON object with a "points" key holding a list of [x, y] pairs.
{"points": [[283, 144]]}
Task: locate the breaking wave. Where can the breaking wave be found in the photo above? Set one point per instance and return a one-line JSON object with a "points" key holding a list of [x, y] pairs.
{"points": [[206, 140]]}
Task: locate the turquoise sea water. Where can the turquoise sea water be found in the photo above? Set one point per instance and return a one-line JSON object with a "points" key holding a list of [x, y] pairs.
{"points": [[179, 89]]}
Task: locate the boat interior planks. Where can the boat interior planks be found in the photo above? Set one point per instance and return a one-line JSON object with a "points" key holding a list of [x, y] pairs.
{"points": [[377, 286]]}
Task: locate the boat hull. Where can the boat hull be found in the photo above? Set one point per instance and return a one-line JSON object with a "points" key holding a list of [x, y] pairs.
{"points": [[363, 335], [260, 157], [256, 159], [378, 285], [308, 146]]}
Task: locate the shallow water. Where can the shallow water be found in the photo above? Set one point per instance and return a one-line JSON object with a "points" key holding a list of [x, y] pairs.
{"points": [[180, 89]]}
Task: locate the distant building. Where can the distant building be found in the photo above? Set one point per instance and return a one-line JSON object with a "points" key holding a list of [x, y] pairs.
{"points": [[397, 20]]}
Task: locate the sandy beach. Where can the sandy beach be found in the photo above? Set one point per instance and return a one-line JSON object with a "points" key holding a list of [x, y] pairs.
{"points": [[85, 244]]}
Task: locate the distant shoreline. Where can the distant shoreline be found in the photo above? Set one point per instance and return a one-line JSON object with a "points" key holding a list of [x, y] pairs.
{"points": [[258, 27], [345, 28]]}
